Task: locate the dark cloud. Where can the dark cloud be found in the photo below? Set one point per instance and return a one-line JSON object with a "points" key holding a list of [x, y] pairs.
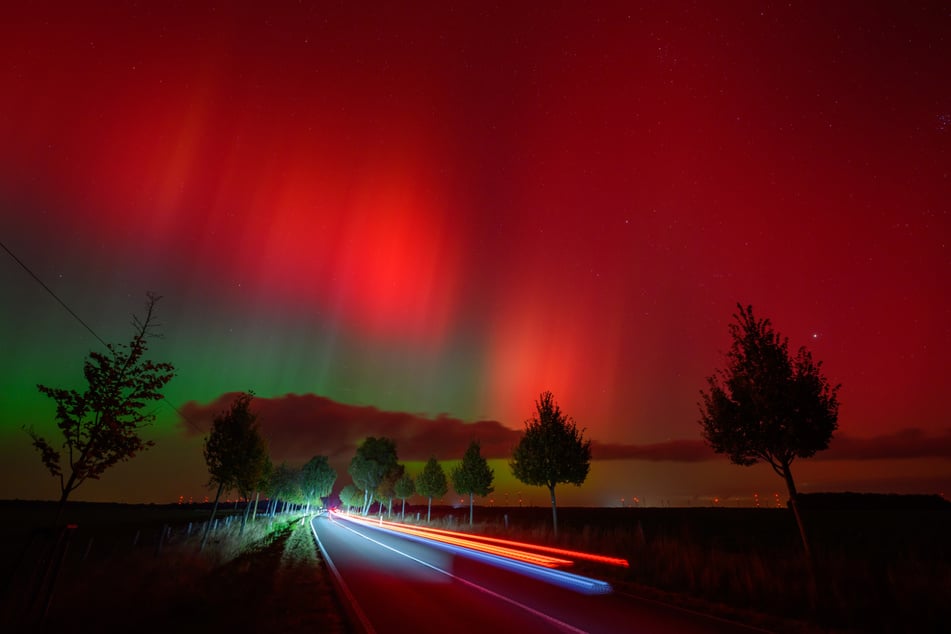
{"points": [[672, 450], [299, 426], [905, 443]]}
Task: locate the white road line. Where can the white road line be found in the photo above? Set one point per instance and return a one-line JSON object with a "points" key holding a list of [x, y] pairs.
{"points": [[559, 624]]}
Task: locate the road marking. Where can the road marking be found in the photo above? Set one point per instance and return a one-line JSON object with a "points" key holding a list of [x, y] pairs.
{"points": [[559, 624], [361, 616]]}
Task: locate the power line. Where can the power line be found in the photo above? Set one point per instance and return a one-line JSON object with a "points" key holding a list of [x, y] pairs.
{"points": [[80, 320], [55, 296]]}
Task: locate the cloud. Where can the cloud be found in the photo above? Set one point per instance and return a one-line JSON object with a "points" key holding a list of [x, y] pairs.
{"points": [[672, 450], [299, 426], [910, 442]]}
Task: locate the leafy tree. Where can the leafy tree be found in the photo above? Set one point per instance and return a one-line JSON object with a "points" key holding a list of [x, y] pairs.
{"points": [[351, 496], [317, 480], [405, 487], [473, 476], [768, 406], [373, 460], [235, 452], [285, 485], [101, 425], [386, 491], [432, 483], [551, 451]]}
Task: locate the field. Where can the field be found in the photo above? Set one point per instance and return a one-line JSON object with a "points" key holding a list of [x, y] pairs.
{"points": [[880, 567]]}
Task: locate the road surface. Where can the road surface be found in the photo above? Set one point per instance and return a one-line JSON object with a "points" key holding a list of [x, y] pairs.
{"points": [[398, 584]]}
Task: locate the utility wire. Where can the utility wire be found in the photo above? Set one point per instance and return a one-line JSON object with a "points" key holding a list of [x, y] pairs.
{"points": [[80, 320], [50, 291]]}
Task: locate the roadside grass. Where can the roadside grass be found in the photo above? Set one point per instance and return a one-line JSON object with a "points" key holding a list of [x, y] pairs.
{"points": [[141, 569]]}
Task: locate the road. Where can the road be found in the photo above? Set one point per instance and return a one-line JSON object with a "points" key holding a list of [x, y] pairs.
{"points": [[399, 584]]}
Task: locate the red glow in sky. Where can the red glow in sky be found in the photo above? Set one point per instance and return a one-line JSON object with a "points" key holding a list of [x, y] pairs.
{"points": [[451, 209]]}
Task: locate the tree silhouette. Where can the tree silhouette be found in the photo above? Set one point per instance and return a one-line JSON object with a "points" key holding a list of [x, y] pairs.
{"points": [[767, 406], [235, 453], [317, 479], [432, 483], [373, 460], [473, 476], [551, 451], [405, 487], [101, 425]]}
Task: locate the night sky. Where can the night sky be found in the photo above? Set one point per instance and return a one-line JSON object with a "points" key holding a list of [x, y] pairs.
{"points": [[410, 222]]}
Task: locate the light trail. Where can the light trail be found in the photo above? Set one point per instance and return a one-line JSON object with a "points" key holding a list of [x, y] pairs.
{"points": [[462, 540], [573, 554], [578, 583]]}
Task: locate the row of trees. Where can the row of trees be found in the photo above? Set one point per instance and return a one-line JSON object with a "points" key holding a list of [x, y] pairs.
{"points": [[236, 454], [551, 451], [764, 406]]}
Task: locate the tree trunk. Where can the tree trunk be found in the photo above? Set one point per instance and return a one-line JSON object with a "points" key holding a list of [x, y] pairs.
{"points": [[794, 503], [257, 497], [470, 509], [807, 551], [554, 509], [429, 508], [403, 512], [214, 509]]}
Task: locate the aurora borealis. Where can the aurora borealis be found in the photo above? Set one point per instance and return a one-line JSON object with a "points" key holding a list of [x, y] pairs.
{"points": [[430, 215]]}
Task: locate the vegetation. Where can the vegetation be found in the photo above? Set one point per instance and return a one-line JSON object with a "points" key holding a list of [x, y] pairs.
{"points": [[432, 483], [139, 567], [404, 488], [351, 497], [386, 491], [285, 485], [235, 452], [375, 458], [317, 479], [101, 425], [551, 451], [473, 476], [767, 406]]}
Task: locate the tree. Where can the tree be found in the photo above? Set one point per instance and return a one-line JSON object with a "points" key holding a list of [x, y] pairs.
{"points": [[101, 425], [373, 460], [432, 483], [351, 496], [285, 485], [473, 476], [235, 452], [386, 491], [767, 406], [405, 487], [552, 451], [317, 480]]}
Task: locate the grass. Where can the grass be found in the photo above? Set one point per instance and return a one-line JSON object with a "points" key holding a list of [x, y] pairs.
{"points": [[140, 568]]}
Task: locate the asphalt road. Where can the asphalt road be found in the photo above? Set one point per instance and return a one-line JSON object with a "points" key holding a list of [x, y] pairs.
{"points": [[398, 584]]}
